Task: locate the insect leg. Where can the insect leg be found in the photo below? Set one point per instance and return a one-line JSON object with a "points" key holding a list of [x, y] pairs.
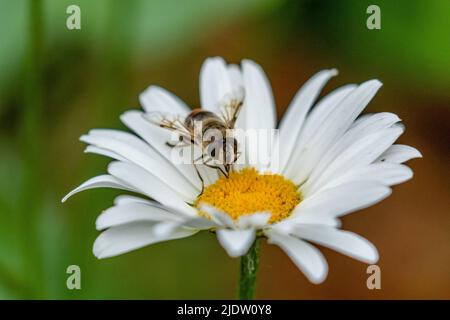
{"points": [[215, 167], [201, 179]]}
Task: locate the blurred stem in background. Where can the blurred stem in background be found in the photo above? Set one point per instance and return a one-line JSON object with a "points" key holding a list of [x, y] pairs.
{"points": [[249, 267], [32, 148]]}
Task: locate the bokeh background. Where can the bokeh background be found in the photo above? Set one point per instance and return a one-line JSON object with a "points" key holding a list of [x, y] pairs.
{"points": [[56, 84]]}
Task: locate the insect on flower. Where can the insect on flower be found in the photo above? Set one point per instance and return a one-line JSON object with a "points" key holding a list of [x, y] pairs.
{"points": [[332, 161], [211, 132]]}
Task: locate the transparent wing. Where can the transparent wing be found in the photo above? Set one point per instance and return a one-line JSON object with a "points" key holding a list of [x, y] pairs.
{"points": [[231, 105], [170, 122]]}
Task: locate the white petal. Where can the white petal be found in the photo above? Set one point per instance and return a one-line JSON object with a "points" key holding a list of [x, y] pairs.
{"points": [[165, 229], [129, 237], [313, 124], [345, 242], [235, 75], [133, 212], [399, 153], [306, 257], [292, 122], [103, 181], [372, 122], [385, 173], [358, 133], [255, 220], [259, 106], [218, 216], [343, 199], [236, 242], [361, 153], [214, 83], [128, 199], [149, 185], [115, 135], [200, 223], [333, 127], [125, 199], [104, 152], [287, 224], [138, 152], [157, 99]]}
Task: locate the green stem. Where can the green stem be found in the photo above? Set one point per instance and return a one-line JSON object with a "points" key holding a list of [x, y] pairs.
{"points": [[31, 149], [249, 267]]}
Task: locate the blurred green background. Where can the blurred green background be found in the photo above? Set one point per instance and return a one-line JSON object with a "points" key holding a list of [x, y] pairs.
{"points": [[56, 84]]}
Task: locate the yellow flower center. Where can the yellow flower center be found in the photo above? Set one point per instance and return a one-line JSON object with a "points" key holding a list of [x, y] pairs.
{"points": [[247, 191]]}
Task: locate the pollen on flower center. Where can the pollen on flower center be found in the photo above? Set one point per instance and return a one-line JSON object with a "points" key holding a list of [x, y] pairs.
{"points": [[247, 191]]}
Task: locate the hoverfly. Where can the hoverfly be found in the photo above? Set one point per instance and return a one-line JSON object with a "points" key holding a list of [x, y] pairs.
{"points": [[209, 131]]}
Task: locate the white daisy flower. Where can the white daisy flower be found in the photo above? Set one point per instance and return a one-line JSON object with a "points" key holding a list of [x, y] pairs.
{"points": [[331, 162]]}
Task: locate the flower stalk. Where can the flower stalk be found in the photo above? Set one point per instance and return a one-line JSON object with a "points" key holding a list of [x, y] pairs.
{"points": [[248, 269]]}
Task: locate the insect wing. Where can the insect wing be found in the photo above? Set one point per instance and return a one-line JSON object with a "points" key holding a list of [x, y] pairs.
{"points": [[231, 105], [171, 122]]}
